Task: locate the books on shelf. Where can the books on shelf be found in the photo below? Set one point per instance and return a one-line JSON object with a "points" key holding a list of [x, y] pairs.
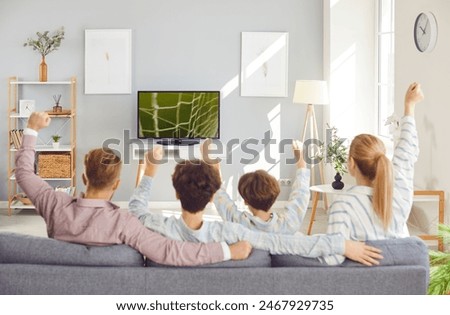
{"points": [[16, 137]]}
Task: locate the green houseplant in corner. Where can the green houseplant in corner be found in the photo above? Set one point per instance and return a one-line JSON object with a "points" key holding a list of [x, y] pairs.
{"points": [[440, 265], [334, 151], [45, 44]]}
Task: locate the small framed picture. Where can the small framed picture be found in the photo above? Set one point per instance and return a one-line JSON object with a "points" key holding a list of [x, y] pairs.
{"points": [[26, 107]]}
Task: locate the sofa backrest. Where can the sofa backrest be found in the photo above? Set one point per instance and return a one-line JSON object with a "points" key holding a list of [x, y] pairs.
{"points": [[25, 249], [400, 252]]}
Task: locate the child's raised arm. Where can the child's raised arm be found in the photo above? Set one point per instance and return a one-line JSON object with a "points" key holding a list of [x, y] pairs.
{"points": [[299, 197], [297, 146], [138, 205]]}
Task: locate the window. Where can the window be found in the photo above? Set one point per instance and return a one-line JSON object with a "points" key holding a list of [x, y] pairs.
{"points": [[385, 81]]}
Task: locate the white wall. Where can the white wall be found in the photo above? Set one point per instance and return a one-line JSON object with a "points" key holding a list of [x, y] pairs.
{"points": [[349, 63], [432, 70], [177, 44]]}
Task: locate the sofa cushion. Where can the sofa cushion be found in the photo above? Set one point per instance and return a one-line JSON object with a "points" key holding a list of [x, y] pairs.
{"points": [[26, 249], [257, 258], [401, 251]]}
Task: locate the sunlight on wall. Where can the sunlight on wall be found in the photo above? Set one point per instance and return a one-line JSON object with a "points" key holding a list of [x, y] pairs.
{"points": [[333, 3], [264, 57], [229, 87], [342, 91], [274, 118]]}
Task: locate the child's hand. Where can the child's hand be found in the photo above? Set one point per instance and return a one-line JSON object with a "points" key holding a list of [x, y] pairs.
{"points": [[362, 253], [38, 120], [240, 250], [413, 96], [297, 145], [205, 149], [152, 160]]}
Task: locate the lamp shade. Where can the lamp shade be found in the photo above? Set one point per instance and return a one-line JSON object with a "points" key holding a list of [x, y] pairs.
{"points": [[311, 92]]}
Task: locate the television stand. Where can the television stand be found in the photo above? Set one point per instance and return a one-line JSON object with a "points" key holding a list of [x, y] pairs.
{"points": [[181, 142]]}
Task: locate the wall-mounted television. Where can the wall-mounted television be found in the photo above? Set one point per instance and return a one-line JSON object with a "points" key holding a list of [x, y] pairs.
{"points": [[178, 117]]}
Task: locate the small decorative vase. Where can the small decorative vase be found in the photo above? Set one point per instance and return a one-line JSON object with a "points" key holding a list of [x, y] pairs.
{"points": [[57, 108], [55, 145], [43, 71], [337, 184]]}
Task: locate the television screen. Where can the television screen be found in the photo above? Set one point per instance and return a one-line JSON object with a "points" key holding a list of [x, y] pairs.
{"points": [[178, 114]]}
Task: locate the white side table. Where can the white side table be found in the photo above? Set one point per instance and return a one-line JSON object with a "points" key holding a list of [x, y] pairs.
{"points": [[316, 191]]}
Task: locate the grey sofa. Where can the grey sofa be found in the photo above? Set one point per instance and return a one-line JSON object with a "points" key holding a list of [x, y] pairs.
{"points": [[36, 265]]}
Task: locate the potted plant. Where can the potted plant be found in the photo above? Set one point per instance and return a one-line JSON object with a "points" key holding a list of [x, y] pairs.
{"points": [[45, 44], [56, 141], [440, 265], [334, 152]]}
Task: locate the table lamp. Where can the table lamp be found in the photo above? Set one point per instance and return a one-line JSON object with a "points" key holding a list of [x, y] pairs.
{"points": [[311, 92]]}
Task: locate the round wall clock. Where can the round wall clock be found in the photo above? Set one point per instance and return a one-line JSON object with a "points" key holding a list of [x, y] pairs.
{"points": [[425, 32]]}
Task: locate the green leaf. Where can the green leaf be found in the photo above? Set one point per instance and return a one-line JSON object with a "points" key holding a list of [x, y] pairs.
{"points": [[440, 265], [45, 44], [439, 280]]}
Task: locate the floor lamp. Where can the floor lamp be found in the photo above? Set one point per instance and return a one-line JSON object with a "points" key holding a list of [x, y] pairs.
{"points": [[312, 92]]}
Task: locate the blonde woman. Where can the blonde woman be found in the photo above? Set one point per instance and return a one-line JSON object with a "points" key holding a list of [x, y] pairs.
{"points": [[379, 205]]}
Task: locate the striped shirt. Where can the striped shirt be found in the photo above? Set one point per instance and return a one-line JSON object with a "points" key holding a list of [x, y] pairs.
{"points": [[215, 231], [285, 221], [352, 214]]}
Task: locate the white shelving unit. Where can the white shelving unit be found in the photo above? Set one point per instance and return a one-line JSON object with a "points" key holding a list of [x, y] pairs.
{"points": [[16, 120], [49, 148]]}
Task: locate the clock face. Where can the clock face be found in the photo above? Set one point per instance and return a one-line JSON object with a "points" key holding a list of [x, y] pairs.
{"points": [[425, 32], [26, 107]]}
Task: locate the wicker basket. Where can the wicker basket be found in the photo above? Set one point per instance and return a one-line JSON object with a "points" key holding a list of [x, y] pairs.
{"points": [[54, 165]]}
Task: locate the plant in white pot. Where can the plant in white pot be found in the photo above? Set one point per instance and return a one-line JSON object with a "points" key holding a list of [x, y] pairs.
{"points": [[55, 139]]}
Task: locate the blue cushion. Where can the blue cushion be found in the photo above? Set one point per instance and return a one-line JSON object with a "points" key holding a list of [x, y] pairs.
{"points": [[26, 249]]}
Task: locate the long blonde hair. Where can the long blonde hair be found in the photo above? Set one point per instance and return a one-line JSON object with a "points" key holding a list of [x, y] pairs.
{"points": [[369, 154]]}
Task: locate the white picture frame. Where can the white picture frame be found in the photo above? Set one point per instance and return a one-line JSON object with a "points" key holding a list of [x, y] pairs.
{"points": [[108, 63], [264, 64], [26, 107]]}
